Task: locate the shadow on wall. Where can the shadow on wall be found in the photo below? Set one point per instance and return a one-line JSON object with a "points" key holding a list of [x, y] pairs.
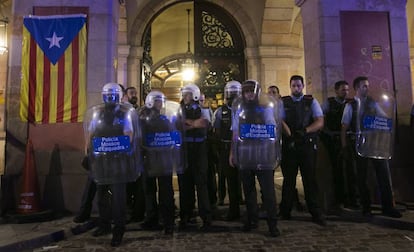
{"points": [[53, 196]]}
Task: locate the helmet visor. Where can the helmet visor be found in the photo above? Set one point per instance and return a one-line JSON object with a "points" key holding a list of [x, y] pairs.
{"points": [[110, 98], [249, 89]]}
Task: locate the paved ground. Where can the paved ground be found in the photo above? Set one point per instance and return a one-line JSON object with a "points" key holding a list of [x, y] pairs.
{"points": [[297, 235], [347, 232]]}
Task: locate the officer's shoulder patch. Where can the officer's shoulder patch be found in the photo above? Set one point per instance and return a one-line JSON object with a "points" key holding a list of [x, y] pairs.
{"points": [[308, 97], [287, 97]]}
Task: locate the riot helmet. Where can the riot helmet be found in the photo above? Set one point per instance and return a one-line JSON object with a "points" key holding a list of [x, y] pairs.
{"points": [[232, 90], [250, 90], [193, 89], [112, 93], [153, 97]]}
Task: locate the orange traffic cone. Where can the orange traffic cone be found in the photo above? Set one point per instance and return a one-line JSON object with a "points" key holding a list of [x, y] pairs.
{"points": [[29, 201]]}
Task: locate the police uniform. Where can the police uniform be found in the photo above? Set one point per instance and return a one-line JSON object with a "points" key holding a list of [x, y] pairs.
{"points": [[343, 174], [255, 114], [381, 166], [111, 205], [195, 174], [222, 121], [86, 203], [154, 170], [113, 157], [135, 191], [212, 156], [299, 151]]}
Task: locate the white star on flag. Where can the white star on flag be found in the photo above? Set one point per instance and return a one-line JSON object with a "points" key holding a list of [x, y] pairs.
{"points": [[54, 40]]}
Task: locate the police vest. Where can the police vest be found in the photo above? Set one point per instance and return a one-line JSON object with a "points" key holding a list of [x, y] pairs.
{"points": [[112, 123], [368, 108], [333, 117], [193, 112], [298, 114], [225, 123], [153, 122], [254, 114]]}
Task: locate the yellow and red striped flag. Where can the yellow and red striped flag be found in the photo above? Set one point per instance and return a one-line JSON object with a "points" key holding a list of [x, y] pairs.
{"points": [[53, 87]]}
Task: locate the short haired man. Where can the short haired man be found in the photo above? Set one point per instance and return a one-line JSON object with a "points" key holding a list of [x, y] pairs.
{"points": [[302, 121], [381, 166]]}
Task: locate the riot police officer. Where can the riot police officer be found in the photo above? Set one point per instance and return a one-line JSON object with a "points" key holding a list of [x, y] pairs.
{"points": [[303, 119], [222, 126], [343, 168], [161, 143], [373, 128], [256, 151], [111, 133], [195, 147]]}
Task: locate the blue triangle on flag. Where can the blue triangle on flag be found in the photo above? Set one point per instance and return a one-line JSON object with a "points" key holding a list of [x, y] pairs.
{"points": [[54, 34]]}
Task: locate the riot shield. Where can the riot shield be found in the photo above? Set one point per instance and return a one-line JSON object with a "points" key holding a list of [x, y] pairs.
{"points": [[375, 126], [257, 126], [162, 139], [112, 140]]}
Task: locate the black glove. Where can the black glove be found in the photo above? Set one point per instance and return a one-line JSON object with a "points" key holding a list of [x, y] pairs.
{"points": [[290, 144], [300, 133]]}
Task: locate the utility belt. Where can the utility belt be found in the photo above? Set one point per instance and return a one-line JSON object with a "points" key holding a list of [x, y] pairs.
{"points": [[296, 142], [305, 140], [331, 137], [194, 139], [351, 136]]}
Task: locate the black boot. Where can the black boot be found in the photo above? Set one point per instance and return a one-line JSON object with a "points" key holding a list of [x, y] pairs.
{"points": [[273, 230], [319, 219], [80, 218], [102, 230], [117, 234]]}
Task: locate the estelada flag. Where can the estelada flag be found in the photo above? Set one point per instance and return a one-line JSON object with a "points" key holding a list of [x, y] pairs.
{"points": [[53, 87]]}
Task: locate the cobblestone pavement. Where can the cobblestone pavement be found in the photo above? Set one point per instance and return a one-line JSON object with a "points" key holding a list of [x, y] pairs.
{"points": [[299, 234], [347, 232]]}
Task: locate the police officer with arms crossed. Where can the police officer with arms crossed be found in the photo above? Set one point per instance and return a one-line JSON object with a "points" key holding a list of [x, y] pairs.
{"points": [[302, 120], [255, 151], [343, 168], [112, 138], [222, 125], [362, 105], [195, 146]]}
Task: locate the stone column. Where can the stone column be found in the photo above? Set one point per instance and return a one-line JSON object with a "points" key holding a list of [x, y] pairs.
{"points": [[253, 64], [278, 64], [134, 68], [123, 51]]}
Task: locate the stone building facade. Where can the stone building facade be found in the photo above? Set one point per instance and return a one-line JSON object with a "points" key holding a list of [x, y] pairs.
{"points": [[279, 37]]}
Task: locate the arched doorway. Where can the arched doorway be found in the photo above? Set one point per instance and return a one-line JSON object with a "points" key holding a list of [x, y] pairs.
{"points": [[217, 48]]}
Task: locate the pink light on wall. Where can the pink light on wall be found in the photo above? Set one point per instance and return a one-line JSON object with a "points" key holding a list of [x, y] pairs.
{"points": [[366, 48]]}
